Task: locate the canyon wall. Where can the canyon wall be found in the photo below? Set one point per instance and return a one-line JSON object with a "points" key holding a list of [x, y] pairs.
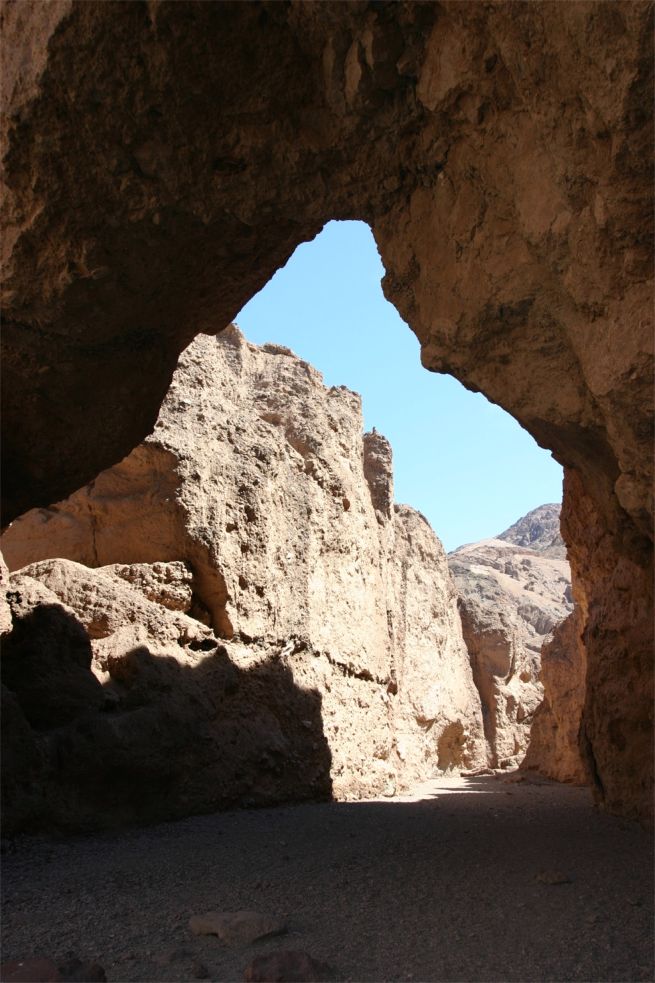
{"points": [[555, 742], [162, 160], [614, 595], [239, 613], [513, 592]]}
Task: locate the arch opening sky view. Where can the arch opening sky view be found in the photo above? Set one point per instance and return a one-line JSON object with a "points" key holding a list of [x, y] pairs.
{"points": [[460, 460]]}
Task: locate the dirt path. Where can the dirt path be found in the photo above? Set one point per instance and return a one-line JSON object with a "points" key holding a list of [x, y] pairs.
{"points": [[439, 886]]}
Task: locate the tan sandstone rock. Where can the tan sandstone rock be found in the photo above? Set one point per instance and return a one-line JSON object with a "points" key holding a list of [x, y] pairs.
{"points": [[554, 748], [258, 514], [238, 928], [511, 597]]}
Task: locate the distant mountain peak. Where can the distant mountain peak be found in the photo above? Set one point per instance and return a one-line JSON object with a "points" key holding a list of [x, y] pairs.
{"points": [[538, 530]]}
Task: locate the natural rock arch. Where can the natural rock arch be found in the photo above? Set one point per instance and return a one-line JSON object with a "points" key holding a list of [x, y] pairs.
{"points": [[162, 160]]}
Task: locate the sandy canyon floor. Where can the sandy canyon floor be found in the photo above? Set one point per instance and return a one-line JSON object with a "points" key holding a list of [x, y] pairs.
{"points": [[452, 883]]}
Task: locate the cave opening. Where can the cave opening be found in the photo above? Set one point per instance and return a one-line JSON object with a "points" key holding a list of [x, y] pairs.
{"points": [[466, 465], [162, 161], [513, 216], [260, 508]]}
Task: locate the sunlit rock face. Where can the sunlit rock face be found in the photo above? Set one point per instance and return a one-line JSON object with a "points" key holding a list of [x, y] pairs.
{"points": [[253, 536], [163, 160], [539, 531], [513, 592]]}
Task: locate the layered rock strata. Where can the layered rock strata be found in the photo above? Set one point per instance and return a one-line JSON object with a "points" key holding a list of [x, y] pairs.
{"points": [[511, 597], [256, 619], [502, 155]]}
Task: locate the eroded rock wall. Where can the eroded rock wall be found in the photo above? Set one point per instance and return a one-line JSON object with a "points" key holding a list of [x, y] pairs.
{"points": [[258, 523], [163, 160], [117, 709], [614, 593], [555, 749], [511, 597]]}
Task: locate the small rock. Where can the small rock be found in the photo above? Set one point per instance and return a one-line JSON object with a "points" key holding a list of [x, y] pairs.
{"points": [[30, 971], [287, 966], [199, 970], [552, 877], [236, 927], [75, 971], [174, 956]]}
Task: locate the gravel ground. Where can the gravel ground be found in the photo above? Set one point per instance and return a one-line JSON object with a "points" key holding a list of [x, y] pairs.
{"points": [[443, 885]]}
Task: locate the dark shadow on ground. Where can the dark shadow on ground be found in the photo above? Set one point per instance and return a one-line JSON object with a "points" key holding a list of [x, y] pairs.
{"points": [[489, 882], [477, 879]]}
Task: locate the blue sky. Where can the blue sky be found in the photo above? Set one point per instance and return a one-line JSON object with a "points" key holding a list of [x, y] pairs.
{"points": [[464, 463]]}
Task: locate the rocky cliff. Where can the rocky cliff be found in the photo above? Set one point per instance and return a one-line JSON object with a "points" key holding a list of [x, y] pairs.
{"points": [[513, 591], [250, 617], [539, 530]]}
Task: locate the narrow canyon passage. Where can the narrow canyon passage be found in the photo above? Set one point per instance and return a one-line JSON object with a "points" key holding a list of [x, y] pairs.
{"points": [[469, 879]]}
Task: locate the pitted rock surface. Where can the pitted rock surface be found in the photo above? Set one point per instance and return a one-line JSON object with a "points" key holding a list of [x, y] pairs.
{"points": [[254, 536]]}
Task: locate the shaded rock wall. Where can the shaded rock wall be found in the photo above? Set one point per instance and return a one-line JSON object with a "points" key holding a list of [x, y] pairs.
{"points": [[554, 748], [511, 597], [116, 709], [258, 514], [614, 593], [501, 154]]}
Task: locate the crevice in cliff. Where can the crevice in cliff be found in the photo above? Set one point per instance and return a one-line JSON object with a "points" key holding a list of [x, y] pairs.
{"points": [[291, 647], [484, 686], [350, 671], [590, 760]]}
